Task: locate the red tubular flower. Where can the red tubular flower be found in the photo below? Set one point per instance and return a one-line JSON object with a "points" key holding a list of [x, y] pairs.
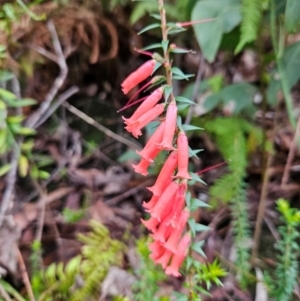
{"points": [[178, 258], [150, 148], [164, 259], [142, 167], [159, 209], [157, 250], [136, 127], [171, 118], [173, 240], [165, 176], [151, 224], [178, 206], [163, 232], [183, 156], [138, 76], [150, 205], [146, 105]]}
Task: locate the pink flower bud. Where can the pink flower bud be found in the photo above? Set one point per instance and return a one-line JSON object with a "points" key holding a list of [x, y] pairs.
{"points": [[173, 240], [183, 156], [165, 176], [140, 123], [167, 196], [151, 224], [150, 148], [171, 119], [146, 105], [138, 76], [163, 232], [178, 258]]}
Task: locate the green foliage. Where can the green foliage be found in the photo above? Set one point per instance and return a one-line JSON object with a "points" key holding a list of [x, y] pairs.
{"points": [[82, 276], [149, 276], [202, 278], [285, 277], [230, 134], [292, 13], [252, 14], [227, 15]]}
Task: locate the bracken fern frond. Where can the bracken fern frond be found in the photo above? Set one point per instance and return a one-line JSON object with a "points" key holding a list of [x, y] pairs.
{"points": [[252, 13]]}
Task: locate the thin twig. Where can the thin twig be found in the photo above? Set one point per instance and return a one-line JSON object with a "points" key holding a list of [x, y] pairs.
{"points": [[44, 52], [128, 193], [261, 207], [24, 275], [59, 81], [291, 155], [100, 127], [60, 100], [196, 89]]}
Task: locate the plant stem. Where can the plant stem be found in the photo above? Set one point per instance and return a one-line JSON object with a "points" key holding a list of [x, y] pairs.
{"points": [[164, 32]]}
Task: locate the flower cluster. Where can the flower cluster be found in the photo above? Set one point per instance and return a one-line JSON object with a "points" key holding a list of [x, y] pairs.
{"points": [[168, 215]]}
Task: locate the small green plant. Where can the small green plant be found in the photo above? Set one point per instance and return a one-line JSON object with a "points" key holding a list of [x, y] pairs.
{"points": [[149, 275], [285, 277], [82, 276]]}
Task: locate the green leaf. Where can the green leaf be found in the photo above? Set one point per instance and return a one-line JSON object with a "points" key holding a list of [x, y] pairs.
{"points": [[292, 15], [291, 64], [24, 102], [15, 119], [181, 77], [188, 127], [241, 95], [178, 72], [184, 100], [152, 46], [197, 247], [26, 131], [7, 95], [196, 178], [156, 16], [5, 75], [196, 203], [227, 14], [165, 45], [149, 27], [181, 50], [4, 169], [167, 92], [194, 152]]}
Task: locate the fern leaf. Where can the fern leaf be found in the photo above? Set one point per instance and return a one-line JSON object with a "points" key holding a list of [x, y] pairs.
{"points": [[252, 13]]}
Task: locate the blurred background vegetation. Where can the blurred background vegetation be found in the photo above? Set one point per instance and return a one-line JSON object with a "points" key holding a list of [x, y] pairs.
{"points": [[70, 204]]}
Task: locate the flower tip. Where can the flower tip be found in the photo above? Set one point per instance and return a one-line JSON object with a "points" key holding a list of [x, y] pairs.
{"points": [[172, 272]]}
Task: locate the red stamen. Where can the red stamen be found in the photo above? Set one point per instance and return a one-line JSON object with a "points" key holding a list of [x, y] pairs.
{"points": [[132, 104], [210, 168], [183, 24]]}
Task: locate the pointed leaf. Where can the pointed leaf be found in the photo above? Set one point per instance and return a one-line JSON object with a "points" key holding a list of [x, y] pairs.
{"points": [[178, 72], [188, 127], [184, 100], [7, 95], [167, 92], [4, 169], [165, 45], [197, 247], [152, 46], [149, 27], [196, 178]]}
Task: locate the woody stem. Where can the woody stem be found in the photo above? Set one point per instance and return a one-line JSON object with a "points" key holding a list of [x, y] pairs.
{"points": [[164, 31]]}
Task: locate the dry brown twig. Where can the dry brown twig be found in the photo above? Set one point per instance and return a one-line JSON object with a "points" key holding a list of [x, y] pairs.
{"points": [[291, 155], [100, 127], [33, 120], [24, 275]]}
